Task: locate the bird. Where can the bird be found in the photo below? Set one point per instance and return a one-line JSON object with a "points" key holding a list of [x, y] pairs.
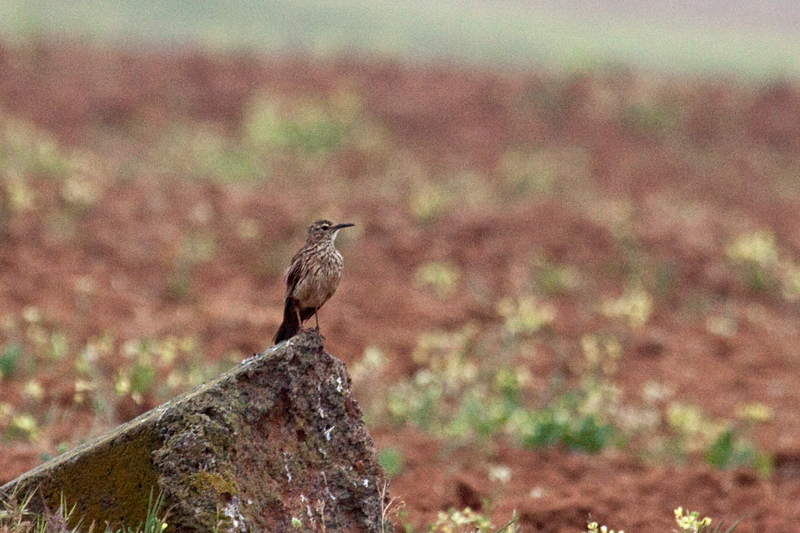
{"points": [[312, 277]]}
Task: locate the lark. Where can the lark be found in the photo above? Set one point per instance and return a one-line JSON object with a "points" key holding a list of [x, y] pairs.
{"points": [[312, 278]]}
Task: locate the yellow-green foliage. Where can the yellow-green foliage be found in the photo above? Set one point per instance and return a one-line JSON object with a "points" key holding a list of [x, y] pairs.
{"points": [[635, 307], [525, 315], [468, 521], [594, 527], [439, 278], [459, 393], [455, 521], [687, 523], [104, 372], [765, 264], [310, 124]]}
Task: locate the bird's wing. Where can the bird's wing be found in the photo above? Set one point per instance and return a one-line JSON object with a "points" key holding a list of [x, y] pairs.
{"points": [[293, 275]]}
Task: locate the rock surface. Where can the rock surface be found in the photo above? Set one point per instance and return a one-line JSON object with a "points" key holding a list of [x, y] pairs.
{"points": [[275, 444]]}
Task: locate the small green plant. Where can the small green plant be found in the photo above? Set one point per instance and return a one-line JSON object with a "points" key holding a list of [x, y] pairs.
{"points": [[154, 521], [585, 418], [730, 451], [553, 279], [635, 307], [455, 521], [439, 278], [722, 443], [594, 527], [765, 266], [82, 185], [524, 315], [9, 357], [525, 172], [392, 461], [565, 423], [23, 426], [467, 520], [692, 523], [179, 282], [29, 151]]}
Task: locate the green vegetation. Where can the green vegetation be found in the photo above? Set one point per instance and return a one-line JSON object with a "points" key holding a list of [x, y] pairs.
{"points": [[15, 517], [687, 523], [455, 521], [100, 379], [391, 460], [467, 520], [564, 423], [462, 394], [439, 278], [9, 358], [763, 266], [724, 444]]}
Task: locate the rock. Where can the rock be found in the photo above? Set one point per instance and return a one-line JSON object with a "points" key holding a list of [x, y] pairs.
{"points": [[275, 444]]}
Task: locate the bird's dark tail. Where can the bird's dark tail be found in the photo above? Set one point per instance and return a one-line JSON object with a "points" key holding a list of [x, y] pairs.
{"points": [[291, 321]]}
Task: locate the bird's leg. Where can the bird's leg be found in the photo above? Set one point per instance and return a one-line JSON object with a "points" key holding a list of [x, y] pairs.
{"points": [[316, 318], [299, 318]]}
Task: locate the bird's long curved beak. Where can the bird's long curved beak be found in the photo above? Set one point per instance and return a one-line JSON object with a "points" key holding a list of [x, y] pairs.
{"points": [[335, 229]]}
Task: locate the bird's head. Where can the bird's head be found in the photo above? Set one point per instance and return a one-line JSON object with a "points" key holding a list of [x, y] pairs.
{"points": [[325, 229]]}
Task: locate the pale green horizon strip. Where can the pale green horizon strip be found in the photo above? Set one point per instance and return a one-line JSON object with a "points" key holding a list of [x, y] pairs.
{"points": [[504, 34]]}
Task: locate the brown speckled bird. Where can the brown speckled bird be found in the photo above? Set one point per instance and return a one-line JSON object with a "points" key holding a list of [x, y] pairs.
{"points": [[312, 278]]}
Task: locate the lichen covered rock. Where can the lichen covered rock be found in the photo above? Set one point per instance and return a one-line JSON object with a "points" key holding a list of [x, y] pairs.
{"points": [[275, 444]]}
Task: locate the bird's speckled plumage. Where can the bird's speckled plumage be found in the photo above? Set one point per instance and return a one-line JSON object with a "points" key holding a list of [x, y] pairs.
{"points": [[312, 278]]}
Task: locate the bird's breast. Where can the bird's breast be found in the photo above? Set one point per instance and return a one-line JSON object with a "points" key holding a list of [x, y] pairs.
{"points": [[320, 279]]}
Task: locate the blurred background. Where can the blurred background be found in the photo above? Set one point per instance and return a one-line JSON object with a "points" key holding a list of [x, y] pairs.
{"points": [[572, 288], [752, 39]]}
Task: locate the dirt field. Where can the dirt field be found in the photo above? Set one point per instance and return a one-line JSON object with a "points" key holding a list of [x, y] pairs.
{"points": [[521, 238]]}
